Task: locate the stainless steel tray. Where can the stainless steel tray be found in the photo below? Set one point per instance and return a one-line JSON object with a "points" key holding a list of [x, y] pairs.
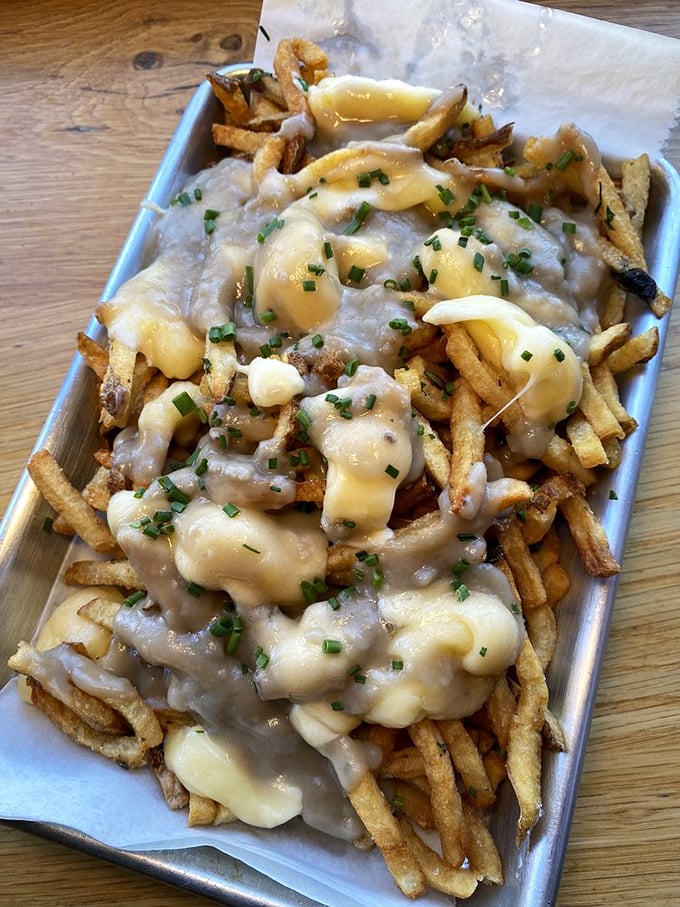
{"points": [[532, 875]]}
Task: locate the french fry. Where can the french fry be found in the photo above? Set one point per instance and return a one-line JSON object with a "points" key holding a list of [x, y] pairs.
{"points": [[589, 536], [524, 741], [439, 874], [468, 762], [61, 495], [376, 815], [438, 119], [79, 715], [467, 444], [615, 222], [638, 350], [103, 573], [446, 806], [116, 388], [635, 184]]}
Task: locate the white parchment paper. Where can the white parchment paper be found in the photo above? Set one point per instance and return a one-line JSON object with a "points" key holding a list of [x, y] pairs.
{"points": [[523, 63]]}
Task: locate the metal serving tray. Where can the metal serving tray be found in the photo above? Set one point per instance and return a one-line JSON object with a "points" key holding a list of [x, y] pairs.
{"points": [[532, 874]]}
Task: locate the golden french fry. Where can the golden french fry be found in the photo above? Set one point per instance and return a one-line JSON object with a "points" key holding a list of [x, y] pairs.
{"points": [[589, 536], [410, 801], [298, 63], [125, 738], [103, 573], [613, 307], [94, 354], [427, 387], [556, 581], [376, 815], [238, 139], [596, 411], [639, 349], [586, 444], [101, 610], [605, 384], [63, 497], [439, 874], [527, 576], [437, 456], [615, 222], [406, 763], [524, 742], [635, 184], [440, 116], [468, 762], [484, 859], [446, 806], [116, 387], [606, 341], [229, 92], [467, 444]]}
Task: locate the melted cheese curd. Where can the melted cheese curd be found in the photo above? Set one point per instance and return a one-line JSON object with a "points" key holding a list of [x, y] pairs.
{"points": [[239, 627]]}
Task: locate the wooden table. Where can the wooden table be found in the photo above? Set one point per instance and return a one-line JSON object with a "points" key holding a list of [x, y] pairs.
{"points": [[89, 96]]}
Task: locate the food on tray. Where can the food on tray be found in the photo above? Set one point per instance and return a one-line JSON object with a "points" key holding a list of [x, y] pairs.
{"points": [[368, 370]]}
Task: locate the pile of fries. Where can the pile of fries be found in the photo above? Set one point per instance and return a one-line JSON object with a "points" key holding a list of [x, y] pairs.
{"points": [[426, 806]]}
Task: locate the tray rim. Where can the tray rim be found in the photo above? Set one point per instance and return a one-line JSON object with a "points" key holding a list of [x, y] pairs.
{"points": [[180, 867]]}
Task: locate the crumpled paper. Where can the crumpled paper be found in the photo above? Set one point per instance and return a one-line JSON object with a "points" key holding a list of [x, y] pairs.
{"points": [[523, 63]]}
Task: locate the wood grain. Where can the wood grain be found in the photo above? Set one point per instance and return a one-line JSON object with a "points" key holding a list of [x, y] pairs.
{"points": [[90, 96]]}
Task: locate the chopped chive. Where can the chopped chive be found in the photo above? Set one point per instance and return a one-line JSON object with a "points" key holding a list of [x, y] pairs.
{"points": [[268, 229], [564, 160], [571, 406], [535, 212], [133, 598], [358, 219], [250, 548], [337, 706], [391, 471], [558, 354], [526, 355], [351, 367], [370, 401], [446, 196], [356, 274], [397, 664], [195, 590], [172, 492], [327, 250], [261, 658], [478, 262], [184, 403], [231, 510], [461, 590], [568, 227], [331, 646], [220, 333]]}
